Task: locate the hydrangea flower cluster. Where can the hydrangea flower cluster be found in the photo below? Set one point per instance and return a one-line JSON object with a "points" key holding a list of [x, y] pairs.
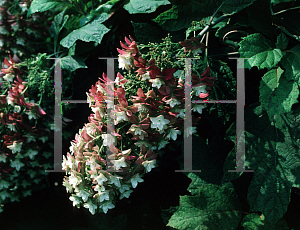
{"points": [[144, 123], [24, 155]]}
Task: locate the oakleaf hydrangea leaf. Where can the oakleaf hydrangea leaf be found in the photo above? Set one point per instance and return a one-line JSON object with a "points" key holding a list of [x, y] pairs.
{"points": [[277, 95], [42, 5], [92, 32], [291, 64], [259, 51], [213, 207], [274, 156]]}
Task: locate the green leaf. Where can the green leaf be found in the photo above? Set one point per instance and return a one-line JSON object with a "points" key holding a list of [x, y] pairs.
{"points": [[282, 41], [277, 95], [93, 31], [256, 222], [214, 207], [291, 64], [142, 6], [273, 154], [260, 51], [42, 5], [270, 80], [58, 23], [146, 32], [72, 63]]}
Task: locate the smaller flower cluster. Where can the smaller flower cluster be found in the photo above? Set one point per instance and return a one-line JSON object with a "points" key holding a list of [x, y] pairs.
{"points": [[23, 150], [131, 127]]}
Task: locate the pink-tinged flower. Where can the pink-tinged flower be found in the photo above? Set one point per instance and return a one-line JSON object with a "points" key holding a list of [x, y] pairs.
{"points": [[11, 66], [128, 53], [122, 111], [35, 109], [120, 80], [192, 44]]}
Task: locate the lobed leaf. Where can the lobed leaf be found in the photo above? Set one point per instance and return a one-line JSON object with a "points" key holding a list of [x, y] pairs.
{"points": [[273, 154], [277, 95], [259, 51], [93, 31], [214, 207], [43, 5]]}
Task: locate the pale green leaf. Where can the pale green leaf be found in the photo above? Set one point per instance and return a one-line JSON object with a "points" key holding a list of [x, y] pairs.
{"points": [[72, 63], [93, 31], [142, 6], [43, 5], [260, 52], [213, 207]]}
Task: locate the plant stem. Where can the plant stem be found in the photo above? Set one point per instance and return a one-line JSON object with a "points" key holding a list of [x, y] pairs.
{"points": [[223, 17], [282, 11]]}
